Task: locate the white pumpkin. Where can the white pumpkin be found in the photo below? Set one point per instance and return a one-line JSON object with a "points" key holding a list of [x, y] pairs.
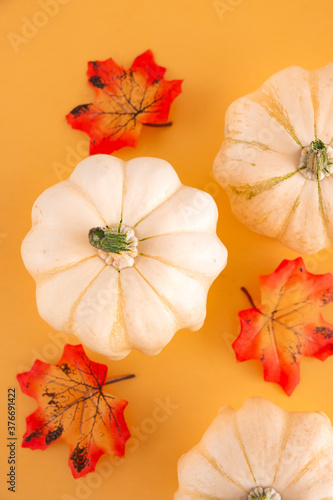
{"points": [[260, 451], [276, 160], [144, 270]]}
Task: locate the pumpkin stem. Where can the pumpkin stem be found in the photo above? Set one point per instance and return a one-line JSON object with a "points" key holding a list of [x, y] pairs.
{"points": [[316, 160], [117, 245], [264, 494]]}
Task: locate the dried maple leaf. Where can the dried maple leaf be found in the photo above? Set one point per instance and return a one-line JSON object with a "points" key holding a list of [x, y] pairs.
{"points": [[124, 101], [74, 408], [287, 325]]}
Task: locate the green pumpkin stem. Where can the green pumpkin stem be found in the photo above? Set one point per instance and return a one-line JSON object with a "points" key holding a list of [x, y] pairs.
{"points": [[108, 240], [259, 493], [317, 158]]}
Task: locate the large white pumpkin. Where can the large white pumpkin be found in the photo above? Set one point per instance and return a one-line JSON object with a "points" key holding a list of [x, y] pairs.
{"points": [[276, 160], [123, 254], [260, 451]]}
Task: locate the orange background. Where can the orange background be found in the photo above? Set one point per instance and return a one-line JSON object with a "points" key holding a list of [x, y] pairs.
{"points": [[222, 50]]}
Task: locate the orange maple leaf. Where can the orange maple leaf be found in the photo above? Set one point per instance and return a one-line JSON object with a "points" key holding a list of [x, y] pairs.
{"points": [[124, 101], [287, 325], [74, 408]]}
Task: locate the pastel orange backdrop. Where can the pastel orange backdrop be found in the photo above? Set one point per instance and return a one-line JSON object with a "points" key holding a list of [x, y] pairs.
{"points": [[222, 49]]}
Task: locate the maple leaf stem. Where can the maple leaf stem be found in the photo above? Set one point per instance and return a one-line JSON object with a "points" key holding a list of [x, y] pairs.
{"points": [[166, 124], [244, 290], [119, 379]]}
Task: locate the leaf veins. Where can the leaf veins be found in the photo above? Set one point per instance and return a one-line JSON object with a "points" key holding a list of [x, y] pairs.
{"points": [[287, 325], [74, 408], [124, 101]]}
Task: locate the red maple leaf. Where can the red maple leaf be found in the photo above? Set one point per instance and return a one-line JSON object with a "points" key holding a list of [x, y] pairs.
{"points": [[287, 325], [74, 408], [124, 101]]}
